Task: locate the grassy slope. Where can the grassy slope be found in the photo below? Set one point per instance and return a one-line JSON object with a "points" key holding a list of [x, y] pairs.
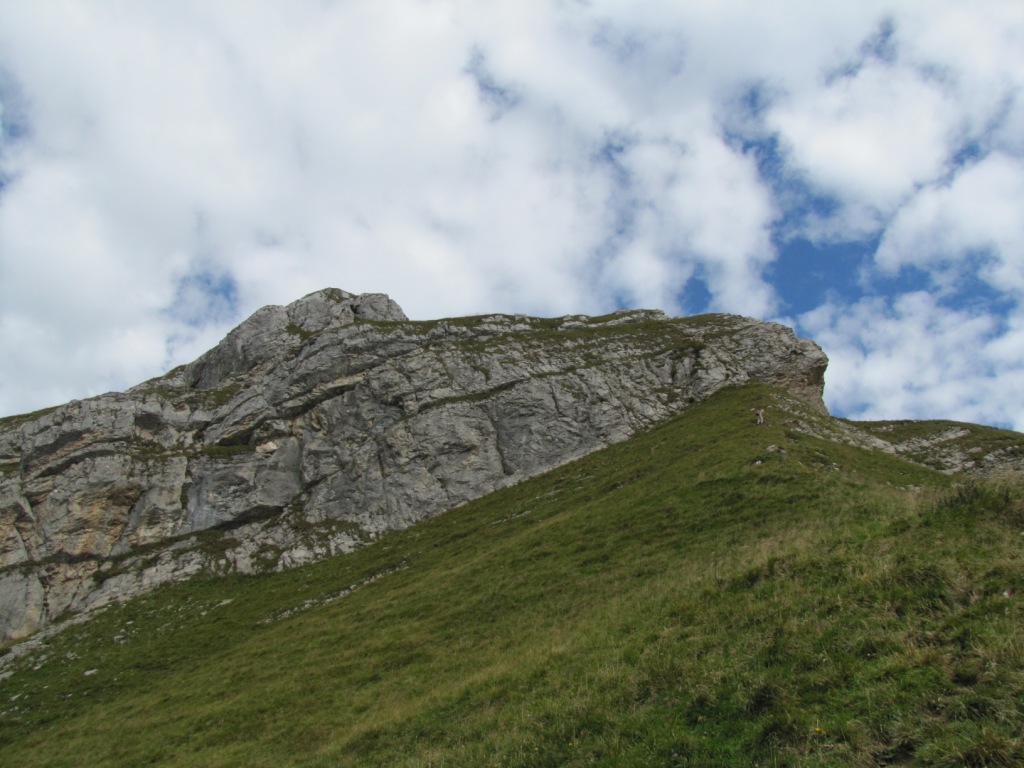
{"points": [[690, 597]]}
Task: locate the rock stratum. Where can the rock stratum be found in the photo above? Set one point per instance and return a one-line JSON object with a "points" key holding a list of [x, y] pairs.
{"points": [[313, 428]]}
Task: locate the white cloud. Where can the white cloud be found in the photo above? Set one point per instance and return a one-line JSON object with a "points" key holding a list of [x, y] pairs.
{"points": [[973, 223], [911, 357], [893, 116], [868, 140], [171, 166]]}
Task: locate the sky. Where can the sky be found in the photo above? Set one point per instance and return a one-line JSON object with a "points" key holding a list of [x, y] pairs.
{"points": [[853, 170]]}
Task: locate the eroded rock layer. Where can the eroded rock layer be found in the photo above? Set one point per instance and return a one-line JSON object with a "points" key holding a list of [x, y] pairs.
{"points": [[312, 428]]}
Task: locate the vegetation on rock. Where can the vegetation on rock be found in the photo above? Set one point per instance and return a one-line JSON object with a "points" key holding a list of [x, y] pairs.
{"points": [[709, 592], [340, 409]]}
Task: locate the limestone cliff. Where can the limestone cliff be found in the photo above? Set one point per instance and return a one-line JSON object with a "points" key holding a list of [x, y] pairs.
{"points": [[312, 428]]}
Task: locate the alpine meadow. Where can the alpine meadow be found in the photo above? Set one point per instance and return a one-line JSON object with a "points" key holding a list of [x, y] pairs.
{"points": [[702, 591]]}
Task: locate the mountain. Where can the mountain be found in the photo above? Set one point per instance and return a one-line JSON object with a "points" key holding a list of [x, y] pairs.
{"points": [[314, 428], [708, 592]]}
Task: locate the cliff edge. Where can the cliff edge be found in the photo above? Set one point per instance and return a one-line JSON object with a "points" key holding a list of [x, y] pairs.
{"points": [[312, 428]]}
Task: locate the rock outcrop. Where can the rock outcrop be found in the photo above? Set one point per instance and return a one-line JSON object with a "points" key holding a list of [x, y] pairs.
{"points": [[310, 429], [952, 447]]}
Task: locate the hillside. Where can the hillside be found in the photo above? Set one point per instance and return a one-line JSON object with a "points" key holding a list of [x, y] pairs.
{"points": [[311, 429], [708, 592]]}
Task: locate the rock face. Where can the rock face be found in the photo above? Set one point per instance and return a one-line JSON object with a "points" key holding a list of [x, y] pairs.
{"points": [[312, 428], [952, 447]]}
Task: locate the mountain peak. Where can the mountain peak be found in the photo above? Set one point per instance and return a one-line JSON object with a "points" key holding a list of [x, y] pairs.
{"points": [[312, 428], [273, 332]]}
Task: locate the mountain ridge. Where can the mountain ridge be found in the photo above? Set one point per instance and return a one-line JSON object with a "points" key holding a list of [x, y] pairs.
{"points": [[708, 592], [313, 428]]}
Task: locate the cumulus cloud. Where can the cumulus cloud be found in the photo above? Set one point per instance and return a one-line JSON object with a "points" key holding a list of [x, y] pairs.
{"points": [[912, 357], [166, 168], [869, 138], [973, 223]]}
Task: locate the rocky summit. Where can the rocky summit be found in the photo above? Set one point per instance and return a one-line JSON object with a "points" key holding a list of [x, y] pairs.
{"points": [[313, 428]]}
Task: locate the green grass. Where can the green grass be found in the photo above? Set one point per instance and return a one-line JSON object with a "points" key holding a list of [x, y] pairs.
{"points": [[13, 422], [708, 593], [302, 333]]}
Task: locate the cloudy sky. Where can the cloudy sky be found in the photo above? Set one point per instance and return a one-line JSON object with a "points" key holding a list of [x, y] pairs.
{"points": [[852, 169]]}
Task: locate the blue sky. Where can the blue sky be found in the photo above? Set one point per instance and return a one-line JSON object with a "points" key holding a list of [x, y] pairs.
{"points": [[854, 170]]}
